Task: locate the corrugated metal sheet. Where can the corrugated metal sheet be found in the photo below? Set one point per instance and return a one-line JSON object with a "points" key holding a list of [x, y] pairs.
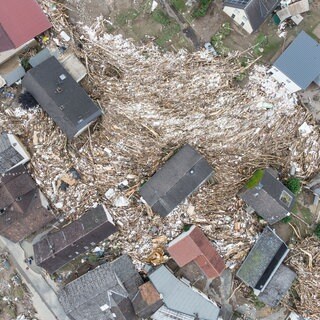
{"points": [[179, 297]]}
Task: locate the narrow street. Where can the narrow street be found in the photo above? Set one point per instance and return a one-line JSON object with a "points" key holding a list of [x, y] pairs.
{"points": [[45, 299]]}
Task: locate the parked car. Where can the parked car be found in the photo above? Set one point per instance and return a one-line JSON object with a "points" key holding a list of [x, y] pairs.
{"points": [[208, 46]]}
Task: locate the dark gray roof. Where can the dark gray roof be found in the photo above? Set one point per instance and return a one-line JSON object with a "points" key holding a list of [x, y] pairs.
{"points": [[9, 156], [181, 175], [263, 260], [257, 11], [99, 293], [179, 297], [267, 198], [278, 286], [300, 62], [61, 96], [56, 249]]}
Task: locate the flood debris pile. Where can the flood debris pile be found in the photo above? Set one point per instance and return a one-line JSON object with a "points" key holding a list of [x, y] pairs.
{"points": [[153, 103], [305, 260]]}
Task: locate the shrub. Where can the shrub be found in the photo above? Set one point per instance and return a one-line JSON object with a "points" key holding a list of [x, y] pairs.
{"points": [[287, 219], [202, 9], [317, 230], [293, 184]]}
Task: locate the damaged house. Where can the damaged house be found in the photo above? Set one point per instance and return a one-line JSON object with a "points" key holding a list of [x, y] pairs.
{"points": [[23, 207], [193, 246], [104, 293], [56, 249], [179, 177], [249, 14], [267, 196], [263, 270], [12, 152], [61, 97]]}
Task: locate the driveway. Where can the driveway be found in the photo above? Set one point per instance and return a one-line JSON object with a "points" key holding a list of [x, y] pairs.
{"points": [[44, 297]]}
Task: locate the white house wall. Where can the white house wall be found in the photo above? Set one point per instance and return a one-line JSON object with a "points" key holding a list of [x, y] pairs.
{"points": [[16, 143], [239, 16], [282, 78]]}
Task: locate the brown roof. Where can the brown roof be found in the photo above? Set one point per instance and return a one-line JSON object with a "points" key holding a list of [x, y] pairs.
{"points": [[56, 249], [21, 209], [147, 300], [194, 246]]}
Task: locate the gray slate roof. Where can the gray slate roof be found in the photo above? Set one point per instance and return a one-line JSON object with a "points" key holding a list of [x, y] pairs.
{"points": [[263, 260], [278, 286], [100, 292], [181, 175], [61, 96], [257, 11], [265, 198], [179, 297], [300, 62], [9, 157]]}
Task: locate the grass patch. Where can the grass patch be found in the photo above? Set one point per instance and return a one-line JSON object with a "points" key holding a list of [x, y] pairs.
{"points": [[167, 33], [123, 18], [179, 5], [217, 39], [265, 45], [302, 212], [202, 9], [161, 17], [255, 179], [287, 219], [257, 303]]}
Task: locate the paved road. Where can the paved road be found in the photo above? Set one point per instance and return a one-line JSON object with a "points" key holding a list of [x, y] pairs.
{"points": [[44, 298]]}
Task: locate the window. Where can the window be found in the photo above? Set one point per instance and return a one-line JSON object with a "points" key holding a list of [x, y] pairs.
{"points": [[233, 16], [286, 198], [242, 24]]}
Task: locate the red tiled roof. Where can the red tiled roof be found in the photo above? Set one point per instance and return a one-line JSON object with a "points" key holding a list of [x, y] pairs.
{"points": [[20, 21], [195, 246]]}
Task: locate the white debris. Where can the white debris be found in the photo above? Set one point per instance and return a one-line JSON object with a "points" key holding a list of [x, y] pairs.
{"points": [[154, 5], [121, 202], [65, 36], [110, 193], [305, 129], [58, 205]]}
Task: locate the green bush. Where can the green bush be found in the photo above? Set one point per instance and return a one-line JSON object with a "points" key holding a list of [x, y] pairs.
{"points": [[317, 230], [293, 184], [180, 5], [287, 219], [202, 9]]}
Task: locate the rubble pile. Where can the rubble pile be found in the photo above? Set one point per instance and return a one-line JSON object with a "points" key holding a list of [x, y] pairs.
{"points": [[153, 103], [305, 260]]}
